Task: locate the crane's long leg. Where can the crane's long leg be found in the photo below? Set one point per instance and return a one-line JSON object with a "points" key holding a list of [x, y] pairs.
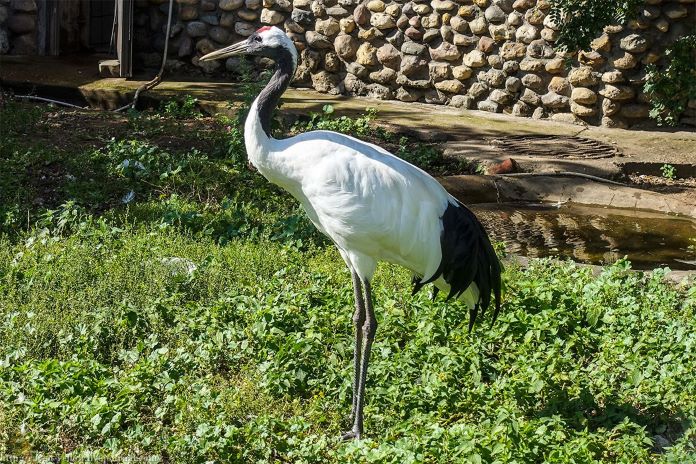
{"points": [[358, 321], [368, 332]]}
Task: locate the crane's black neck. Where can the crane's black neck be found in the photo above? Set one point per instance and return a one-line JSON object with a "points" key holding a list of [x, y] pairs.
{"points": [[268, 99]]}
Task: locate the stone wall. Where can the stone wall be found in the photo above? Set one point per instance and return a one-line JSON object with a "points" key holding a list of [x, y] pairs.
{"points": [[492, 55], [18, 32]]}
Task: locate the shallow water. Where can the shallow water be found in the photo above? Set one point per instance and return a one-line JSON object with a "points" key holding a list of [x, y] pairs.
{"points": [[593, 235]]}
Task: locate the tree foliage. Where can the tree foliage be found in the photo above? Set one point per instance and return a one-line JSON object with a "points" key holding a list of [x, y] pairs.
{"points": [[581, 21], [671, 87]]}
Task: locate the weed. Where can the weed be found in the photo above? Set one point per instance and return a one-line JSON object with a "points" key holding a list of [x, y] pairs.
{"points": [[326, 120], [668, 171], [186, 109]]}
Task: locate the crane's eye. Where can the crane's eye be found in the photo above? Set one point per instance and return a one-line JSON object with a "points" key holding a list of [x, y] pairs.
{"points": [[258, 39]]}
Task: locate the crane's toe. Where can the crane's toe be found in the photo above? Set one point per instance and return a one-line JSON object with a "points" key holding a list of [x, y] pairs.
{"points": [[350, 435]]}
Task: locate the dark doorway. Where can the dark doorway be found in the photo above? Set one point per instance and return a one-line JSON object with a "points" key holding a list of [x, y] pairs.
{"points": [[98, 27], [101, 25]]}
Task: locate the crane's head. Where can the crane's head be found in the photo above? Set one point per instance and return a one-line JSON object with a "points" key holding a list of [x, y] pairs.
{"points": [[268, 41]]}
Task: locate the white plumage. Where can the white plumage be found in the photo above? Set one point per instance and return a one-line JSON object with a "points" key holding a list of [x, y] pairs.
{"points": [[373, 205]]}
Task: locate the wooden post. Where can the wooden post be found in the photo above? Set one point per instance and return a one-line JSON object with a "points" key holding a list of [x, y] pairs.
{"points": [[124, 39], [48, 27]]}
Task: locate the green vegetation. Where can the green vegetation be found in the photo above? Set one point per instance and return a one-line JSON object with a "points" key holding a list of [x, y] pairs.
{"points": [[185, 109], [160, 299], [671, 87], [581, 21], [668, 171], [360, 126]]}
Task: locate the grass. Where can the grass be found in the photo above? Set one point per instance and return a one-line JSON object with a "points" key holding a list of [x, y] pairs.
{"points": [[201, 319]]}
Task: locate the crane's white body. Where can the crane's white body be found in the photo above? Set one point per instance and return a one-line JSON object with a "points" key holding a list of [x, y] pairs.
{"points": [[373, 205]]}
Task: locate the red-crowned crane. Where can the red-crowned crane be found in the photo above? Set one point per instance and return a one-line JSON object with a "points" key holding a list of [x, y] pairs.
{"points": [[371, 204]]}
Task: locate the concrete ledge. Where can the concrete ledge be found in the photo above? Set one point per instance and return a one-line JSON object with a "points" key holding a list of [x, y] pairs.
{"points": [[554, 189]]}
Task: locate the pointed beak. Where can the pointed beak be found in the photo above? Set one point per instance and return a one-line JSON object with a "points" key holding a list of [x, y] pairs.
{"points": [[240, 48]]}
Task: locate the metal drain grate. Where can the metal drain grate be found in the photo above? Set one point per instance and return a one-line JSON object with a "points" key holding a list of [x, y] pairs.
{"points": [[558, 146]]}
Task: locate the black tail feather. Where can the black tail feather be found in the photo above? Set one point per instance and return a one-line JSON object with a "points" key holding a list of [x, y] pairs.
{"points": [[467, 257]]}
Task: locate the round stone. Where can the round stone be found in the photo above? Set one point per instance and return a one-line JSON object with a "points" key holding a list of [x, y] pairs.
{"points": [[515, 18], [500, 96], [475, 59], [461, 101], [461, 72], [345, 46], [535, 16], [495, 15], [384, 76], [612, 77], [530, 97], [445, 52], [393, 10], [526, 33], [617, 92], [382, 21], [188, 13], [555, 66], [389, 56], [634, 43], [328, 27], [513, 50], [459, 24], [510, 67], [219, 34], [197, 29], [244, 29], [627, 61], [531, 65], [271, 16], [5, 42], [513, 84], [449, 86], [376, 6], [317, 40], [554, 101], [367, 54], [533, 82], [609, 107], [501, 32], [559, 85], [583, 96], [478, 89], [24, 6], [347, 25], [582, 76], [478, 26], [412, 65], [442, 6], [361, 14], [412, 48]]}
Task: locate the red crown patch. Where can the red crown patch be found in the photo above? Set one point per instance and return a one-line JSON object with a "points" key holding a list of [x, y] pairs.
{"points": [[263, 29]]}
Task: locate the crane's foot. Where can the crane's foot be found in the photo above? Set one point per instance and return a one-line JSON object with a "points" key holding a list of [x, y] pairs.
{"points": [[351, 435]]}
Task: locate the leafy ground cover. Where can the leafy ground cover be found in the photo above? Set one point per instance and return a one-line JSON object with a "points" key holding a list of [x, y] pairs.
{"points": [[160, 300]]}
